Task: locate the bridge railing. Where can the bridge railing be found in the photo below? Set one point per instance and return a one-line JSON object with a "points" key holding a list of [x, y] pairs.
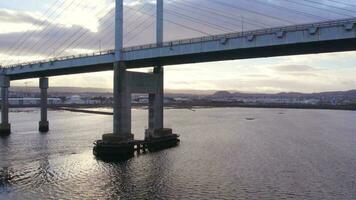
{"points": [[98, 53], [243, 34]]}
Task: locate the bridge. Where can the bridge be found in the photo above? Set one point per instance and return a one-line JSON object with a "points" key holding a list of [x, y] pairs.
{"points": [[320, 37]]}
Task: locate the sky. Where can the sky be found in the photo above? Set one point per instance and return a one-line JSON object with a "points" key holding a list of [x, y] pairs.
{"points": [[40, 29]]}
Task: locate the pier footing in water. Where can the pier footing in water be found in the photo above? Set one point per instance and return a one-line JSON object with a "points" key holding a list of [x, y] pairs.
{"points": [[5, 129], [164, 142], [123, 150], [43, 126], [114, 147], [161, 138]]}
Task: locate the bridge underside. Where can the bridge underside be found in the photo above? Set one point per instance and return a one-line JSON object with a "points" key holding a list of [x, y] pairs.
{"points": [[63, 71]]}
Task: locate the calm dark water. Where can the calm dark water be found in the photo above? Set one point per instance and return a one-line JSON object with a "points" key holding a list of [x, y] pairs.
{"points": [[224, 154]]}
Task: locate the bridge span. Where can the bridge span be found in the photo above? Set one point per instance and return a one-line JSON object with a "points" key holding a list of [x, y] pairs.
{"points": [[323, 37]]}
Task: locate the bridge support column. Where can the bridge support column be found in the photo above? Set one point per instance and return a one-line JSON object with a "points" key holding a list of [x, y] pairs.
{"points": [[156, 135], [156, 107], [43, 124], [156, 102], [122, 103], [5, 127], [119, 144]]}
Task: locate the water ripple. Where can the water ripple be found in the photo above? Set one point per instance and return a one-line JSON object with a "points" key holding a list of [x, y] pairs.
{"points": [[222, 156]]}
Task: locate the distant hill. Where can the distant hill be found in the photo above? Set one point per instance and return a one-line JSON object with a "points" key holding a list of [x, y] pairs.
{"points": [[351, 94], [222, 94]]}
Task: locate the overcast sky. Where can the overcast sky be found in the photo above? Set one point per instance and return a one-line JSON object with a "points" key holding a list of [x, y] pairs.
{"points": [[39, 29]]}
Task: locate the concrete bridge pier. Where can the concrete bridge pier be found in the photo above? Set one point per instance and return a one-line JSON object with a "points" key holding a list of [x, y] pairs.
{"points": [[156, 108], [43, 124], [5, 127], [120, 144], [156, 135], [155, 117], [122, 103]]}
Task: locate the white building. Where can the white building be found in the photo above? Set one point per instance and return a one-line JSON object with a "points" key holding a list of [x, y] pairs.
{"points": [[74, 99], [32, 101]]}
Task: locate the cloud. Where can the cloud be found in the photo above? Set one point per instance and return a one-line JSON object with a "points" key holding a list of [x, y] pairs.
{"points": [[11, 16], [293, 68], [88, 26], [257, 76], [15, 22]]}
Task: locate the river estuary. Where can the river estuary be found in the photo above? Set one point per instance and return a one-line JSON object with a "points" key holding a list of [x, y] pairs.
{"points": [[225, 153]]}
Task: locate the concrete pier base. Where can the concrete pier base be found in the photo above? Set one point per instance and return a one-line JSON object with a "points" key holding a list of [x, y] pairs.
{"points": [[162, 143], [5, 129], [117, 148], [43, 126], [114, 147], [157, 133], [159, 139]]}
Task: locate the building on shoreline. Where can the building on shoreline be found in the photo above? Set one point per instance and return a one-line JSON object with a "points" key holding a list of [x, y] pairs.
{"points": [[32, 101]]}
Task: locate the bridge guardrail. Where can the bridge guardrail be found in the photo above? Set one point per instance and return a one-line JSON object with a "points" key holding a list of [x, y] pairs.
{"points": [[242, 34], [106, 52]]}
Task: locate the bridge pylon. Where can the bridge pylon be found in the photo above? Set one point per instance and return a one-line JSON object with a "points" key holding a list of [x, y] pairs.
{"points": [[121, 144]]}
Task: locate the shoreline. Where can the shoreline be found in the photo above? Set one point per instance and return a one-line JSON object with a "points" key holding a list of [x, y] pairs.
{"points": [[199, 105]]}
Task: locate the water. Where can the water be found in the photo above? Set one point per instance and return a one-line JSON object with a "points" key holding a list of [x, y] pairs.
{"points": [[225, 153]]}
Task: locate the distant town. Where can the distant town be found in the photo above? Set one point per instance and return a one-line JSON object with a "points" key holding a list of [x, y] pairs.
{"points": [[94, 97]]}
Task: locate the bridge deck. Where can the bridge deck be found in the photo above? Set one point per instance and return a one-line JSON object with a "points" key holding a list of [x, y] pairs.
{"points": [[330, 36]]}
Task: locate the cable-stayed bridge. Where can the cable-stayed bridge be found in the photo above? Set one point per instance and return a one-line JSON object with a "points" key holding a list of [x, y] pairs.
{"points": [[253, 39]]}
